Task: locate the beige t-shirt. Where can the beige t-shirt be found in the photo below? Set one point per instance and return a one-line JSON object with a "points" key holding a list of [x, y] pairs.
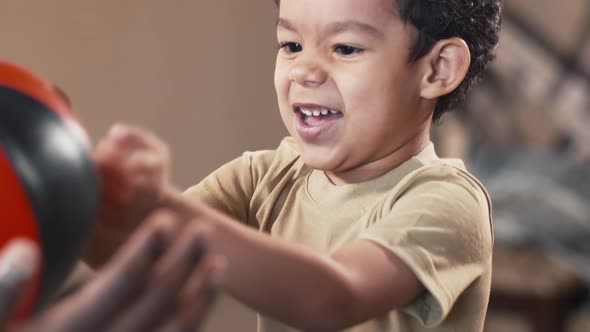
{"points": [[428, 211]]}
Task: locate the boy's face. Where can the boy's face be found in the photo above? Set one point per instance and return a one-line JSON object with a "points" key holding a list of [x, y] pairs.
{"points": [[346, 90]]}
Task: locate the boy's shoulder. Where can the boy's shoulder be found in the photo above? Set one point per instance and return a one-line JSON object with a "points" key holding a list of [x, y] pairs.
{"points": [[446, 182], [428, 166]]}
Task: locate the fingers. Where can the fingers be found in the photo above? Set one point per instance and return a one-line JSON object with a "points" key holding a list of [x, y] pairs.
{"points": [[135, 137], [198, 296], [130, 150], [134, 166], [162, 277], [122, 141], [18, 262], [122, 279], [160, 298]]}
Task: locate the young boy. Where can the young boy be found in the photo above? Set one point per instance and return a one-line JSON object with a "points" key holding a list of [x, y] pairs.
{"points": [[353, 221]]}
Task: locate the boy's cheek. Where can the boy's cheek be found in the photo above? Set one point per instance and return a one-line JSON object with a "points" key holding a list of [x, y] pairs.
{"points": [[283, 101], [282, 69]]}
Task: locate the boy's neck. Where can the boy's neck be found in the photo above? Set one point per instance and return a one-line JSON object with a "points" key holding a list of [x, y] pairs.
{"points": [[383, 165]]}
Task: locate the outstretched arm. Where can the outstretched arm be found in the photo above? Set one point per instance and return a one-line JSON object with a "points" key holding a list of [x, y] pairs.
{"points": [[285, 281], [300, 287]]}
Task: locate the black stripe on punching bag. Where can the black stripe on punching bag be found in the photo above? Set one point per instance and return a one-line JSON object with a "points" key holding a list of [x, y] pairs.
{"points": [[56, 169]]}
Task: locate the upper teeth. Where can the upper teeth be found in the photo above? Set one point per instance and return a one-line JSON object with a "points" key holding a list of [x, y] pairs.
{"points": [[323, 111]]}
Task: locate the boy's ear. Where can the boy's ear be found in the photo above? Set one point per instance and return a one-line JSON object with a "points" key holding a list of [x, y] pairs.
{"points": [[445, 67]]}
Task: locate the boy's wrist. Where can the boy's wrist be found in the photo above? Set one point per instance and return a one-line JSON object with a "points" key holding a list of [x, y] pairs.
{"points": [[193, 210], [172, 198]]}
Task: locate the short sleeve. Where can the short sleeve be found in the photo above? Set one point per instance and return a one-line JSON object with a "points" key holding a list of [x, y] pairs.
{"points": [[440, 226], [227, 189], [230, 188]]}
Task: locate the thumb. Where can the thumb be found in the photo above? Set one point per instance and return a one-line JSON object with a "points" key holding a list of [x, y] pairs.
{"points": [[19, 260]]}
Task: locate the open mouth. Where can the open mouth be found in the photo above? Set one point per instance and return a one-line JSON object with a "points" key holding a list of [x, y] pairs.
{"points": [[312, 116]]}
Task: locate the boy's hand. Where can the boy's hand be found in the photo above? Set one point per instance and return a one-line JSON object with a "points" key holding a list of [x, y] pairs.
{"points": [[134, 168]]}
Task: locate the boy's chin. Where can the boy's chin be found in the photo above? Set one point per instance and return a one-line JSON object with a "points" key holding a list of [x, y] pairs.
{"points": [[320, 157]]}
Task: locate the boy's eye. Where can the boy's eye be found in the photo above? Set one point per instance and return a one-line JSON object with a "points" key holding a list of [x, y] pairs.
{"points": [[291, 47], [347, 50]]}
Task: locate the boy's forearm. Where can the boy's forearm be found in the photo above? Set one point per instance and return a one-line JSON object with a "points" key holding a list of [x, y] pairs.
{"points": [[285, 281]]}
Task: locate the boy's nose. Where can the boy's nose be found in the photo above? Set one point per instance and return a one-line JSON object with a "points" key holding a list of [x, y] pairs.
{"points": [[307, 73]]}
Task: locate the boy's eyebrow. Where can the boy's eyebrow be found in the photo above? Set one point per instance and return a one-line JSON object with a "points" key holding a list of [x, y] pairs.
{"points": [[283, 23], [339, 27]]}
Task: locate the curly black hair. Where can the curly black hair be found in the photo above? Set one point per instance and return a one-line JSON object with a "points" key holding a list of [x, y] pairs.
{"points": [[477, 22]]}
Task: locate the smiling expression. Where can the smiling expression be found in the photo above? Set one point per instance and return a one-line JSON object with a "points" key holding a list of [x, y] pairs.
{"points": [[346, 91]]}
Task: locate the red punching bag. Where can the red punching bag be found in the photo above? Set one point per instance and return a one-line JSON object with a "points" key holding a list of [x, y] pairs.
{"points": [[48, 181]]}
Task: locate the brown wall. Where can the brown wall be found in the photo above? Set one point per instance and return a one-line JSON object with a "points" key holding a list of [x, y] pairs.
{"points": [[199, 73]]}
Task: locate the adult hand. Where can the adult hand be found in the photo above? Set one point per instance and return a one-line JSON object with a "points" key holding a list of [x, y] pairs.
{"points": [[161, 280]]}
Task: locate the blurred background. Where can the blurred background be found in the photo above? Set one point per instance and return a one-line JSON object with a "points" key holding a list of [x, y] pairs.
{"points": [[199, 73], [524, 131]]}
